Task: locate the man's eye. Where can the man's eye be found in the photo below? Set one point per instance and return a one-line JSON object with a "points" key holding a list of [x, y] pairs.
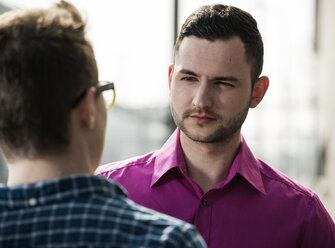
{"points": [[191, 79], [224, 83]]}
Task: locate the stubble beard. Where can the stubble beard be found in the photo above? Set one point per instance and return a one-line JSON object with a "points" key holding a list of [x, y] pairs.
{"points": [[223, 133]]}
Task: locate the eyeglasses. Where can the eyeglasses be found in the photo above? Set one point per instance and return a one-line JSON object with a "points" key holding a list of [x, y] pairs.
{"points": [[108, 91]]}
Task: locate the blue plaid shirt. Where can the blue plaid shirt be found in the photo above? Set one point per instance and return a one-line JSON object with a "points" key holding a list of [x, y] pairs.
{"points": [[84, 211]]}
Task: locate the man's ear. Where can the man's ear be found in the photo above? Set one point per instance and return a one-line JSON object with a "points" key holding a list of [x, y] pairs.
{"points": [[171, 67], [86, 109], [259, 90]]}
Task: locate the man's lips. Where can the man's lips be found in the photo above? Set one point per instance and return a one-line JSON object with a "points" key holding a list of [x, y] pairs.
{"points": [[202, 118]]}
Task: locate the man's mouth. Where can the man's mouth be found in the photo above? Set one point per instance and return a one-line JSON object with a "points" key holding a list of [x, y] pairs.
{"points": [[202, 118]]}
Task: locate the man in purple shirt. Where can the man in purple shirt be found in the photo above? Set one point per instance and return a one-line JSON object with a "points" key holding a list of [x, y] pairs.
{"points": [[205, 173]]}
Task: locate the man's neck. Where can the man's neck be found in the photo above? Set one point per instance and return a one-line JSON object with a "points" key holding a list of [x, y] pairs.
{"points": [[209, 163], [22, 171]]}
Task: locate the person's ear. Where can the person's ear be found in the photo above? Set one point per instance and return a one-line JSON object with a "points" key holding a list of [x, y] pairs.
{"points": [[259, 90], [171, 66], [86, 109]]}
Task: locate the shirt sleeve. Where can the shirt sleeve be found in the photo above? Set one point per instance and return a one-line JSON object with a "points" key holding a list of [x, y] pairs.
{"points": [[193, 239], [185, 236], [319, 228]]}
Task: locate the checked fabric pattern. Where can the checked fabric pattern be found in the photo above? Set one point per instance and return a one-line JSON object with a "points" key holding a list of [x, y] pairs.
{"points": [[84, 211]]}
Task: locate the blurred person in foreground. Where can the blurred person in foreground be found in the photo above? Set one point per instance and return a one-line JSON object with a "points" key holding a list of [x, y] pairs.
{"points": [[52, 128], [205, 173]]}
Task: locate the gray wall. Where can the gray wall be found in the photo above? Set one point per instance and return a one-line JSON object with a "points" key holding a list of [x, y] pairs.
{"points": [[3, 170]]}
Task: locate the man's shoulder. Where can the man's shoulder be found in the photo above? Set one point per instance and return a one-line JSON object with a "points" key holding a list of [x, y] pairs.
{"points": [[137, 161], [275, 179], [318, 226], [159, 229], [116, 221]]}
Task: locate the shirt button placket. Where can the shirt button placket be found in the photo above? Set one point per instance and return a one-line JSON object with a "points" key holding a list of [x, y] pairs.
{"points": [[203, 218]]}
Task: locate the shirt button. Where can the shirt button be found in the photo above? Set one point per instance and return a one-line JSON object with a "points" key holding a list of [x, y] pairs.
{"points": [[32, 202], [204, 202]]}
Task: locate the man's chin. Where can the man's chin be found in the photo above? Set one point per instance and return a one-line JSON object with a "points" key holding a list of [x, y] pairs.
{"points": [[206, 135], [201, 136]]}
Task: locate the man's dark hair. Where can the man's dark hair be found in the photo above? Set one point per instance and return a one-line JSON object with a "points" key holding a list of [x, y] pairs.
{"points": [[213, 22], [45, 63]]}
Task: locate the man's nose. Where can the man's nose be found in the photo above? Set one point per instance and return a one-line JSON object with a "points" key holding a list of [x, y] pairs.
{"points": [[202, 95]]}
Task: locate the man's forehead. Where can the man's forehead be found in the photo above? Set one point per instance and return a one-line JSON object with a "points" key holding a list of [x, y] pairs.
{"points": [[204, 53]]}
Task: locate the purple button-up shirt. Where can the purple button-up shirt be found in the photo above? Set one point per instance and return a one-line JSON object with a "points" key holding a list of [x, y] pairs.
{"points": [[255, 206]]}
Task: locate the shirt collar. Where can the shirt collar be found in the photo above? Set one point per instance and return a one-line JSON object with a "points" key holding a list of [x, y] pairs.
{"points": [[171, 156], [249, 167], [168, 157], [58, 190]]}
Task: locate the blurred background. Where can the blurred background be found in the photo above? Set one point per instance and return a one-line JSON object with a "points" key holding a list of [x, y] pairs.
{"points": [[292, 129]]}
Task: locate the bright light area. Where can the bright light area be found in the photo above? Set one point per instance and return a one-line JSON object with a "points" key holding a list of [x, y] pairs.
{"points": [[133, 43]]}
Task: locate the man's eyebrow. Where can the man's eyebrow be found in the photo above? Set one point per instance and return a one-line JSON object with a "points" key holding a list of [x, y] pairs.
{"points": [[185, 71], [223, 78]]}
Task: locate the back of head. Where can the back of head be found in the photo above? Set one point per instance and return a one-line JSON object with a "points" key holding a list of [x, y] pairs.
{"points": [[213, 22], [45, 63]]}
